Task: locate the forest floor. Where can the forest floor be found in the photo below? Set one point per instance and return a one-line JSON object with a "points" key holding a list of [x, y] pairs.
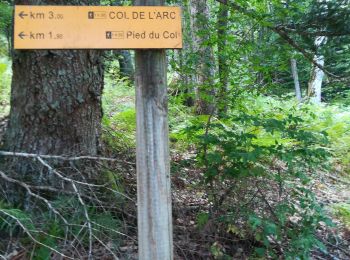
{"points": [[192, 242], [333, 190]]}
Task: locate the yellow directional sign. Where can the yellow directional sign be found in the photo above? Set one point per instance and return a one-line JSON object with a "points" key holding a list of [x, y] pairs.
{"points": [[97, 27]]}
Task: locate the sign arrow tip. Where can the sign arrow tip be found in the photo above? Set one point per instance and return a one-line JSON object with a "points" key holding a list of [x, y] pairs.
{"points": [[22, 35], [22, 14]]}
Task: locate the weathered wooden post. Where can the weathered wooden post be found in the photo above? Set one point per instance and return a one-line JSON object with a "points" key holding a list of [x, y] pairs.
{"points": [[153, 171]]}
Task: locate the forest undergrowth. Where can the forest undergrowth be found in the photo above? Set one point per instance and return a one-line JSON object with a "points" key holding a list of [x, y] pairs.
{"points": [[268, 180]]}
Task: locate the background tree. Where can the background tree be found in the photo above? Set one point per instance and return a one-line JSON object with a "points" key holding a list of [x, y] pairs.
{"points": [[317, 74], [223, 66], [205, 65], [124, 57], [296, 79]]}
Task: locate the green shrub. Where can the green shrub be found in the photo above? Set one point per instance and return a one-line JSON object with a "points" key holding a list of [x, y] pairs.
{"points": [[342, 211], [335, 121], [118, 96], [120, 130], [5, 26], [119, 121], [5, 82], [257, 164], [13, 220]]}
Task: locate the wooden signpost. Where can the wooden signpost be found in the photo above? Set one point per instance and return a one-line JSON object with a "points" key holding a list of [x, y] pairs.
{"points": [[140, 27], [97, 27]]}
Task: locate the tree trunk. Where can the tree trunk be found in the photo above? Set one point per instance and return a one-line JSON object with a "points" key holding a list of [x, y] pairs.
{"points": [[187, 76], [316, 79], [296, 79], [55, 106], [9, 41], [55, 102], [152, 154], [205, 60], [126, 65], [223, 67], [317, 75]]}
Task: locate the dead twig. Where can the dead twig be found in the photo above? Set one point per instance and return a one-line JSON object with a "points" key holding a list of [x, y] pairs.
{"points": [[31, 236], [25, 186], [337, 179], [78, 182], [89, 224], [63, 158], [73, 182]]}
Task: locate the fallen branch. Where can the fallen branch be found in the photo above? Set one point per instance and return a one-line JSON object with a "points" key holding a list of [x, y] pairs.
{"points": [[27, 187], [334, 246], [337, 179], [63, 158], [78, 182], [88, 223], [42, 188]]}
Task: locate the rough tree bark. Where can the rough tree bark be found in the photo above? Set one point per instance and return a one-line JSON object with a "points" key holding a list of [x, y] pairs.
{"points": [[296, 79], [152, 153]]}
